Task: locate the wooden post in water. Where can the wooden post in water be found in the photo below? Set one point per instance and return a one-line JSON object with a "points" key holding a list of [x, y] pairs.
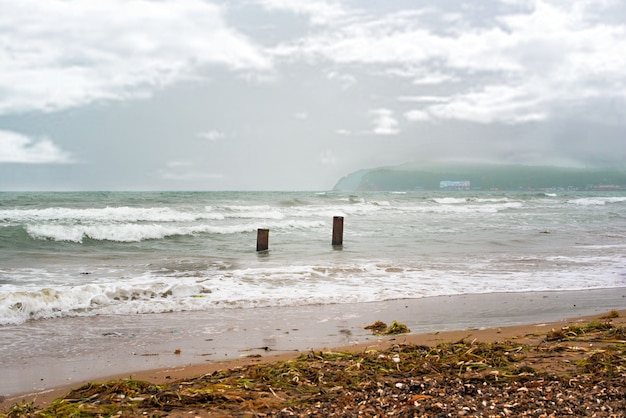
{"points": [[262, 239], [338, 230]]}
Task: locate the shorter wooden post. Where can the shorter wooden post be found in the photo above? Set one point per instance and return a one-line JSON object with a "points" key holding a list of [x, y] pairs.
{"points": [[262, 239], [338, 230]]}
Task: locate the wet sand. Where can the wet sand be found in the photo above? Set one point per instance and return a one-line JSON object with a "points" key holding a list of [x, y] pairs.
{"points": [[42, 360]]}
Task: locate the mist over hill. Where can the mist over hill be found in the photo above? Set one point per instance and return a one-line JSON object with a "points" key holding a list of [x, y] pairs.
{"points": [[482, 177]]}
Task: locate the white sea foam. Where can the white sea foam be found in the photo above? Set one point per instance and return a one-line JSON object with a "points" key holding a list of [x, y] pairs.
{"points": [[196, 251], [253, 212], [468, 207], [492, 200], [450, 200], [591, 201], [141, 232], [293, 285], [110, 214], [110, 232]]}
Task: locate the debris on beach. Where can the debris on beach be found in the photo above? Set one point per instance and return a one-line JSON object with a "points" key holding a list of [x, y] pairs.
{"points": [[581, 373], [611, 315], [397, 328], [380, 328], [377, 327]]}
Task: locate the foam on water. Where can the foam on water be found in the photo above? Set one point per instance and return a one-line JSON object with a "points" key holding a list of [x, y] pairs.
{"points": [[136, 233], [110, 214], [179, 252], [590, 201], [164, 290]]}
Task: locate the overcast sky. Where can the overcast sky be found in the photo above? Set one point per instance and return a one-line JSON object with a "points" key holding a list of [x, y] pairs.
{"points": [[294, 94]]}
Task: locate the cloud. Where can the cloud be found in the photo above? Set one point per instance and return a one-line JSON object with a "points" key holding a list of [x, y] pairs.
{"points": [[318, 12], [328, 158], [435, 78], [538, 56], [17, 148], [384, 122], [503, 104], [212, 135], [417, 116], [59, 54], [421, 99], [346, 80]]}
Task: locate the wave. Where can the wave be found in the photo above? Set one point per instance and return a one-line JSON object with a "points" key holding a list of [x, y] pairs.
{"points": [[142, 232], [93, 299], [450, 200], [159, 290], [469, 200], [253, 212], [470, 208], [111, 214], [147, 214], [592, 201]]}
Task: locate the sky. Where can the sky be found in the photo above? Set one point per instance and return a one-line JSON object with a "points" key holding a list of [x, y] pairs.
{"points": [[295, 94]]}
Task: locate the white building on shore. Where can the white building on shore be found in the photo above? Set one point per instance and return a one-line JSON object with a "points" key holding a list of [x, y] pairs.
{"points": [[455, 185]]}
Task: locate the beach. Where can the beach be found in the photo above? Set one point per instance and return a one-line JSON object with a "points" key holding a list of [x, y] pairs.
{"points": [[162, 347]]}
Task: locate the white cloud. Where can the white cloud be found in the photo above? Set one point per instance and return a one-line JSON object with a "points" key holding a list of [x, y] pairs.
{"points": [[417, 116], [435, 78], [422, 99], [343, 132], [346, 80], [384, 122], [212, 135], [549, 54], [57, 54], [319, 12], [492, 104], [301, 115], [177, 164], [18, 148], [327, 158]]}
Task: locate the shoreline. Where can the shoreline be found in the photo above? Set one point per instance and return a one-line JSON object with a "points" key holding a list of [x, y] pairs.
{"points": [[226, 338]]}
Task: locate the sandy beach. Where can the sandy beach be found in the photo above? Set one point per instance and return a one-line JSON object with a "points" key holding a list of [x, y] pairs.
{"points": [[166, 347]]}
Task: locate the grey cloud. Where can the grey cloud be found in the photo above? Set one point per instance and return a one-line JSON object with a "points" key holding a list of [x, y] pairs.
{"points": [[58, 55], [294, 94], [537, 57]]}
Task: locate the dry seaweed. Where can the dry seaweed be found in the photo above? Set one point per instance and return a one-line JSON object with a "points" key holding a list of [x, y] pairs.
{"points": [[377, 327], [380, 328], [397, 328], [463, 378]]}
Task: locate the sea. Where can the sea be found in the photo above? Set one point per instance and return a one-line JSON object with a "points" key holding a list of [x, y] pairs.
{"points": [[86, 254]]}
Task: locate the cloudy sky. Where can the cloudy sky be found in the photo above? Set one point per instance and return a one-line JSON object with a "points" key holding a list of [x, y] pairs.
{"points": [[294, 94]]}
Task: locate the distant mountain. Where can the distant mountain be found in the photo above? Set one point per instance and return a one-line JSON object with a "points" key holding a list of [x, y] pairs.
{"points": [[481, 176]]}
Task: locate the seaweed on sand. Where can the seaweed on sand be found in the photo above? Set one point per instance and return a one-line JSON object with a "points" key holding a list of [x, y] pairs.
{"points": [[462, 378], [380, 328]]}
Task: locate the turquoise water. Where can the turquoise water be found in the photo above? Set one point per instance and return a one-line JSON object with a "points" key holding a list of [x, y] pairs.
{"points": [[84, 254]]}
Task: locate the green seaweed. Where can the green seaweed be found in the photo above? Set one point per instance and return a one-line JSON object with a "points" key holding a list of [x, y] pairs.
{"points": [[346, 378]]}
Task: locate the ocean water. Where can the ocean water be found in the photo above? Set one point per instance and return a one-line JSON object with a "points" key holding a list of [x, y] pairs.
{"points": [[133, 253]]}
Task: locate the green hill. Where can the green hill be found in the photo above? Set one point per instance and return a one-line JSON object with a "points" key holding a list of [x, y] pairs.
{"points": [[484, 177]]}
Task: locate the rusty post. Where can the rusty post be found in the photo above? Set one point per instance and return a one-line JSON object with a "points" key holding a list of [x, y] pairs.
{"points": [[338, 230], [262, 239]]}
